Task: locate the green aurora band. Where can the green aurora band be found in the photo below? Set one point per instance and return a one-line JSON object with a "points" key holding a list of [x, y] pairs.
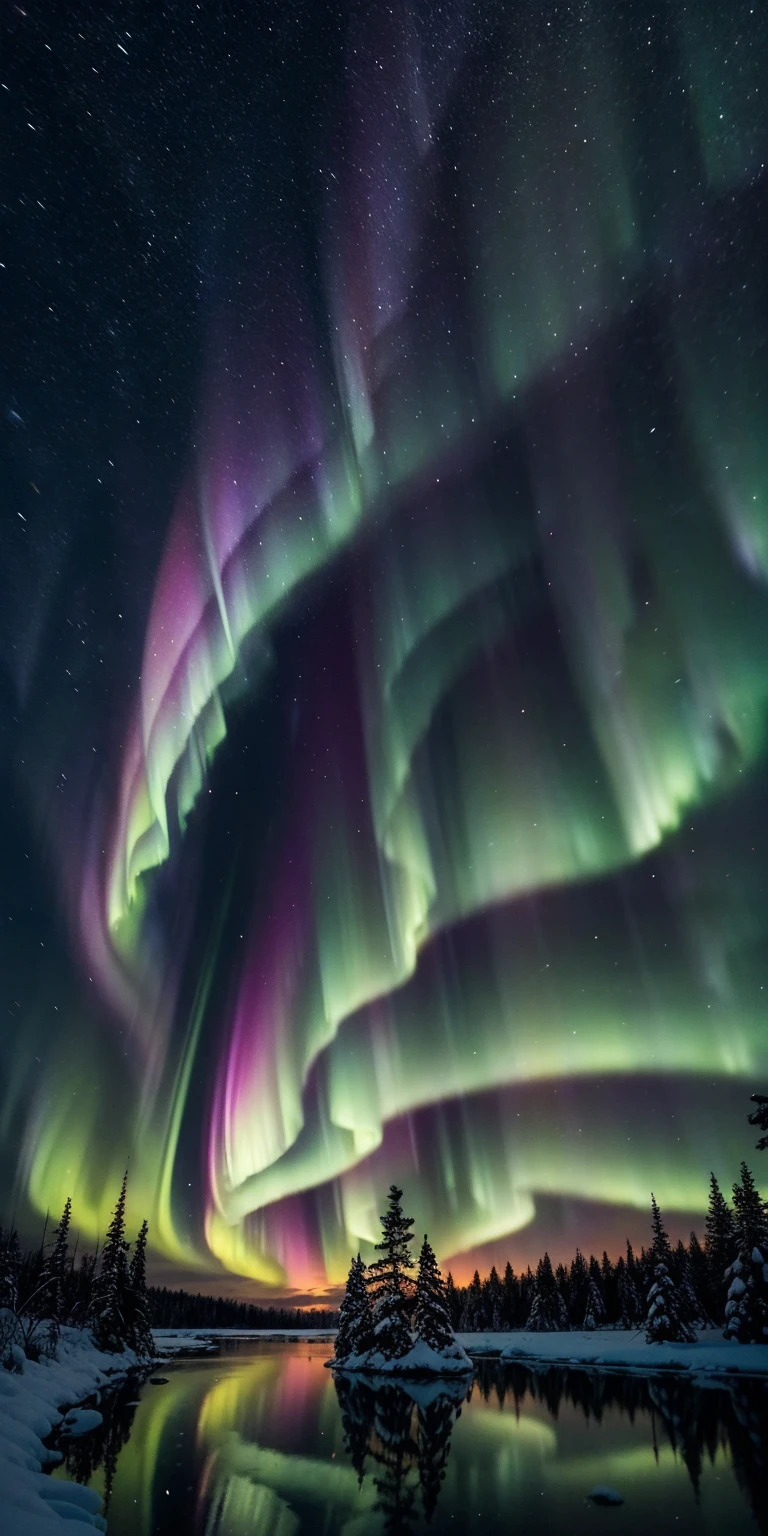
{"points": [[436, 850]]}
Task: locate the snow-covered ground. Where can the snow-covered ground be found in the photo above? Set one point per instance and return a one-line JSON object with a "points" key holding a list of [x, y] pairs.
{"points": [[30, 1403], [611, 1349], [170, 1341], [620, 1350], [421, 1360]]}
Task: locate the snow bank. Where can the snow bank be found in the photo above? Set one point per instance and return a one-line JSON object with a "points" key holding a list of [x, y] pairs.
{"points": [[80, 1421], [602, 1495], [421, 1360], [30, 1403], [620, 1350], [171, 1341]]}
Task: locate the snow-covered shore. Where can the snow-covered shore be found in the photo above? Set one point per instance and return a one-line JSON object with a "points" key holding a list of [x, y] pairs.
{"points": [[34, 1504], [620, 1350], [606, 1349], [171, 1341], [420, 1361]]}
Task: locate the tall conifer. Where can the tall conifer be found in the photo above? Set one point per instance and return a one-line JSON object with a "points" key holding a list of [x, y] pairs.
{"points": [[355, 1332], [108, 1305], [431, 1319], [664, 1322], [390, 1282]]}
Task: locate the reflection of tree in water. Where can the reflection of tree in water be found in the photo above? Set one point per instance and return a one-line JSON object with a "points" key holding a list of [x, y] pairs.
{"points": [[84, 1455], [695, 1421], [395, 1451], [749, 1444], [436, 1421], [404, 1434], [356, 1402]]}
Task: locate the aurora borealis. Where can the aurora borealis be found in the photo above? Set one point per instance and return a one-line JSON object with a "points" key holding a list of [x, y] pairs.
{"points": [[384, 604]]}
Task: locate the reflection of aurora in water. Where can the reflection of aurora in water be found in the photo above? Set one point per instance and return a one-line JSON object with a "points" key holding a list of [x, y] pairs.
{"points": [[267, 1446], [431, 844]]}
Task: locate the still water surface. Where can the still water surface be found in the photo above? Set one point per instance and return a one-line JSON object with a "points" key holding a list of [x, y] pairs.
{"points": [[258, 1440]]}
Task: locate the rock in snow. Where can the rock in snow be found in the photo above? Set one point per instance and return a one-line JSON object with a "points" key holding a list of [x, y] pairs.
{"points": [[80, 1421], [601, 1495]]}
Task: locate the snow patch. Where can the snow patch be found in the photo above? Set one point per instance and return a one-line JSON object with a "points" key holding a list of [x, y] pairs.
{"points": [[602, 1495], [80, 1421], [30, 1409], [420, 1360]]}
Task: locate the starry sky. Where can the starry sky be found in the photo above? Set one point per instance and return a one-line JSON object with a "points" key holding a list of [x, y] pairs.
{"points": [[383, 622]]}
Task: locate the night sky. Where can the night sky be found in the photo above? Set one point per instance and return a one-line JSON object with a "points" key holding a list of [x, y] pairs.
{"points": [[383, 622]]}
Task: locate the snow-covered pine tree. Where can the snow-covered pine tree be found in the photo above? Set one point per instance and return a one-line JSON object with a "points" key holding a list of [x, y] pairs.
{"points": [[751, 1212], [138, 1323], [431, 1320], [10, 1266], [691, 1307], [699, 1269], [54, 1277], [548, 1314], [609, 1289], [563, 1284], [472, 1312], [108, 1304], [452, 1300], [510, 1287], [388, 1280], [719, 1247], [578, 1286], [629, 1303], [355, 1333], [664, 1324], [594, 1313], [492, 1300], [759, 1117], [746, 1310]]}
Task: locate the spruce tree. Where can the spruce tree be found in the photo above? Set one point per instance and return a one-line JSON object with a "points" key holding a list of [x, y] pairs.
{"points": [[493, 1301], [431, 1320], [630, 1306], [547, 1313], [594, 1313], [746, 1311], [759, 1117], [661, 1248], [389, 1280], [137, 1306], [108, 1305], [355, 1333], [511, 1297], [691, 1306], [578, 1287], [452, 1300], [719, 1247], [751, 1214], [699, 1271], [472, 1310], [664, 1323], [10, 1269], [54, 1277]]}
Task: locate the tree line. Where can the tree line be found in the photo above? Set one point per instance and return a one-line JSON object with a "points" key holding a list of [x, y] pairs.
{"points": [[49, 1287], [722, 1282], [185, 1309], [671, 1292], [46, 1289]]}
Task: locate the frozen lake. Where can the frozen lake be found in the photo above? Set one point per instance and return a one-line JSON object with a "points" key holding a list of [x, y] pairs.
{"points": [[258, 1440]]}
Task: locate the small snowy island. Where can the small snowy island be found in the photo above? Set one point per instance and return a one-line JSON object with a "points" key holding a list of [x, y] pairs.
{"points": [[391, 1325]]}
